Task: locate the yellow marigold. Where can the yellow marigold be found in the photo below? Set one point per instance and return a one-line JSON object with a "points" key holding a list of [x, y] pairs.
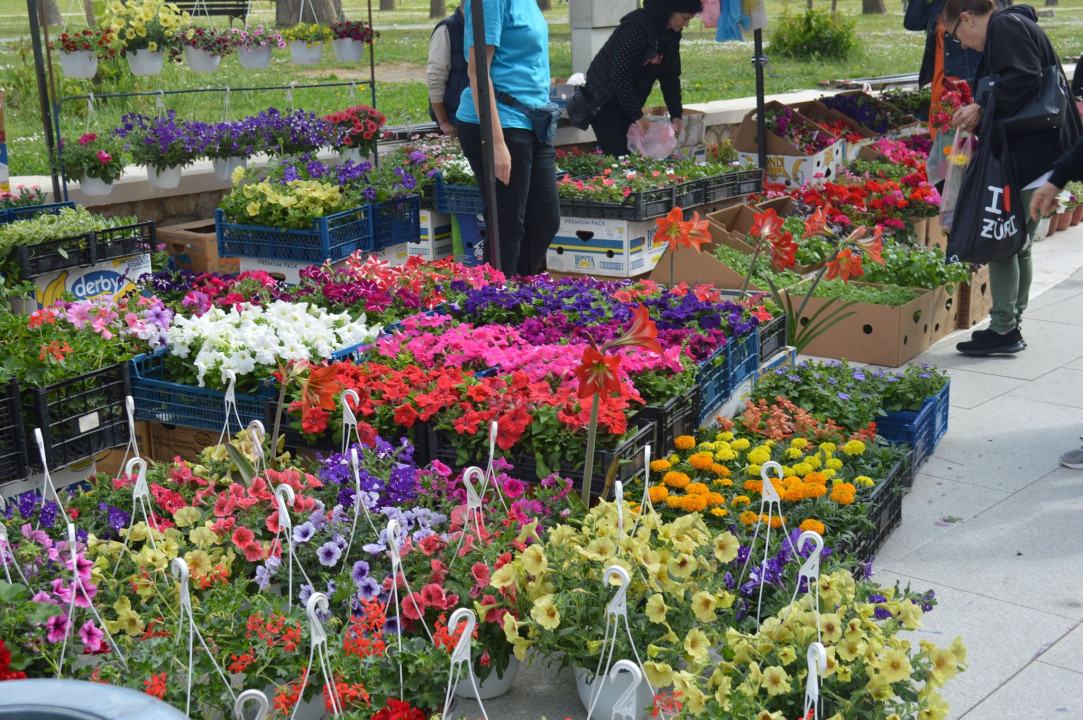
{"points": [[740, 444], [660, 465], [814, 462], [697, 488], [684, 442], [799, 443], [748, 518], [676, 479], [719, 469], [716, 499], [863, 480], [701, 461], [741, 500], [724, 436], [658, 493], [830, 473], [794, 453], [759, 456], [695, 503], [725, 454], [828, 448], [802, 468], [816, 478], [813, 525], [723, 481], [843, 493], [720, 512], [834, 464], [854, 447]]}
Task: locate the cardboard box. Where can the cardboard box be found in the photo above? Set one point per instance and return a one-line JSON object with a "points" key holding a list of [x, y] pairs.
{"points": [[194, 246], [908, 126], [935, 234], [945, 313], [921, 230], [170, 441], [61, 478], [874, 334], [614, 248], [786, 164], [394, 256], [114, 278], [739, 219], [823, 115], [110, 462], [692, 125], [434, 242], [288, 271], [695, 267], [975, 300]]}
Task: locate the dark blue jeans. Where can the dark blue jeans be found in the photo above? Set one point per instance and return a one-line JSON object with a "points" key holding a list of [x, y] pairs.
{"points": [[527, 208]]}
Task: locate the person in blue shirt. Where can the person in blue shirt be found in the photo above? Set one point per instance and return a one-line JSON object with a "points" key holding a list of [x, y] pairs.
{"points": [[517, 47]]}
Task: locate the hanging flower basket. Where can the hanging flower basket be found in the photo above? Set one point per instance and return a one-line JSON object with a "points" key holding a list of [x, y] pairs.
{"points": [[201, 60], [254, 58], [610, 692], [164, 178], [144, 62], [93, 187], [492, 686], [304, 54], [82, 64], [224, 167], [348, 49]]}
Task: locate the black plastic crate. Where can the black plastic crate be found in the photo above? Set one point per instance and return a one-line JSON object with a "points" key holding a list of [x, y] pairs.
{"points": [[690, 194], [294, 439], [27, 212], [884, 511], [772, 337], [53, 255], [125, 241], [673, 418], [642, 205], [731, 185], [12, 435], [79, 417]]}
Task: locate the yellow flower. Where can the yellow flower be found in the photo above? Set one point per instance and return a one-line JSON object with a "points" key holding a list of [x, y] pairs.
{"points": [[740, 444], [854, 447], [684, 442], [787, 654], [934, 708], [253, 209], [944, 666], [186, 516], [720, 512], [682, 566], [959, 651], [703, 606], [545, 612], [199, 562], [534, 561], [660, 465], [659, 674], [726, 546], [776, 680], [850, 648], [656, 609], [748, 517], [504, 577], [759, 456], [127, 619], [813, 525], [741, 500], [203, 536], [834, 464], [831, 626], [894, 666], [696, 645]]}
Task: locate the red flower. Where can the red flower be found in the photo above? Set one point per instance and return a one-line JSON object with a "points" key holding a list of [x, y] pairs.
{"points": [[873, 246], [671, 227], [783, 252], [766, 225], [413, 606], [406, 415], [846, 265], [598, 373], [816, 223], [243, 537], [399, 710], [642, 332]]}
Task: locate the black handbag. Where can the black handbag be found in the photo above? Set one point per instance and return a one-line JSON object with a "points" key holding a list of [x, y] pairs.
{"points": [[543, 119], [1046, 109]]}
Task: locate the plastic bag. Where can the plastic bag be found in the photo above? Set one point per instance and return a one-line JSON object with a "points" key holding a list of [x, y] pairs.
{"points": [[658, 142], [957, 160], [936, 166]]}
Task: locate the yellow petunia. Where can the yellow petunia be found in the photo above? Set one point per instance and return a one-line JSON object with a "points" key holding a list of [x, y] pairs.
{"points": [[656, 609], [545, 612]]}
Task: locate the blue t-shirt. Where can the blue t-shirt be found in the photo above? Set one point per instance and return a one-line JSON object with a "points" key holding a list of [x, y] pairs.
{"points": [[520, 67]]}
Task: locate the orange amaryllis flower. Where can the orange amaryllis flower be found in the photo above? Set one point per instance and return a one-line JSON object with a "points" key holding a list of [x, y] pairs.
{"points": [[319, 389], [766, 225], [845, 266], [783, 252], [672, 228], [816, 223], [642, 333], [873, 246], [696, 232], [598, 373]]}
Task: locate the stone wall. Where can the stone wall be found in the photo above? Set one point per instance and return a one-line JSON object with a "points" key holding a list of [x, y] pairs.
{"points": [[166, 211]]}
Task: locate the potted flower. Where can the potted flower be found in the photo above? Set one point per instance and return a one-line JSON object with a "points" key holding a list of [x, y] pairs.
{"points": [[350, 38], [146, 30], [94, 162], [205, 48], [228, 145], [79, 50], [160, 144], [306, 42], [354, 130], [254, 46]]}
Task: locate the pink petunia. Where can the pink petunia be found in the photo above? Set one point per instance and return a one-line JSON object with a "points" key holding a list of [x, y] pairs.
{"points": [[91, 636], [57, 627]]}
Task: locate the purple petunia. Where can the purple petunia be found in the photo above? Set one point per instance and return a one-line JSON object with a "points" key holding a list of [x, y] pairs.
{"points": [[329, 553]]}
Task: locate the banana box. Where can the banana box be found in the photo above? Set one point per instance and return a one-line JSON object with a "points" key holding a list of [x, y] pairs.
{"points": [[288, 271], [394, 256], [114, 278], [435, 241], [612, 248]]}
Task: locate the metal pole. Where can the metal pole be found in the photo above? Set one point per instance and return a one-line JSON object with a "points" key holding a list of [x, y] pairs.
{"points": [[43, 93], [483, 93], [372, 81], [761, 122]]}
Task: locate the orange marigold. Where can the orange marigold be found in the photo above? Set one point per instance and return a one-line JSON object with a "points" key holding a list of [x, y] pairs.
{"points": [[816, 477], [701, 461], [775, 520], [716, 499], [695, 503], [697, 488], [676, 502], [684, 442], [813, 525], [720, 469], [676, 479], [748, 518], [814, 490], [843, 493], [660, 465], [658, 493], [753, 485]]}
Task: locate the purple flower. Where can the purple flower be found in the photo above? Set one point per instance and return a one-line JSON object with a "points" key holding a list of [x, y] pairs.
{"points": [[368, 589], [329, 553], [303, 532], [360, 572]]}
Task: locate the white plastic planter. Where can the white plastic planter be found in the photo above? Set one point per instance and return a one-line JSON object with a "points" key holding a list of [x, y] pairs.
{"points": [[610, 692], [201, 60], [93, 187], [303, 54], [348, 49], [164, 178], [224, 167], [352, 154], [144, 62], [81, 64], [254, 58], [492, 686]]}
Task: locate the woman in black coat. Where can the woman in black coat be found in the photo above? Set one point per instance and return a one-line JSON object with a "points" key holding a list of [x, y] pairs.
{"points": [[645, 48]]}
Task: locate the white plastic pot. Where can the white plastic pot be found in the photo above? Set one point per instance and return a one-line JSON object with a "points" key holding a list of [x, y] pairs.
{"points": [[81, 64], [492, 686], [164, 178], [144, 62], [201, 60], [303, 54], [93, 187], [610, 692], [254, 58], [348, 49], [353, 154], [224, 167]]}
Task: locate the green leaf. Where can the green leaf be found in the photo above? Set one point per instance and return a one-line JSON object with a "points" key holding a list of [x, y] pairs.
{"points": [[42, 611], [242, 463], [12, 593]]}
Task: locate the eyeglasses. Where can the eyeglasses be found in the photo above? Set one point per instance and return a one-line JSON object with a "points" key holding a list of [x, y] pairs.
{"points": [[955, 29]]}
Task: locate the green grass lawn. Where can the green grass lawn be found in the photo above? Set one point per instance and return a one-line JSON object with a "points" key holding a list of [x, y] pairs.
{"points": [[712, 71]]}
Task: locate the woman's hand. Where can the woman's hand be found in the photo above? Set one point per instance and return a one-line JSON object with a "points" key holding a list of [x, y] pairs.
{"points": [[502, 162], [967, 117], [677, 125], [1044, 201], [644, 124]]}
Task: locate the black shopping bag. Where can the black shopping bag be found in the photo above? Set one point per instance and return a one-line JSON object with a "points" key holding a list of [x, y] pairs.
{"points": [[990, 220]]}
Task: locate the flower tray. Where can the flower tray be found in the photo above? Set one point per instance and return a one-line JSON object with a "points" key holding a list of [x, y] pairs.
{"points": [[690, 194], [638, 206], [673, 418], [720, 374], [333, 238], [85, 250], [920, 430], [884, 511], [78, 417], [458, 198], [730, 185], [629, 453], [30, 211], [395, 222], [125, 241], [12, 436], [772, 337]]}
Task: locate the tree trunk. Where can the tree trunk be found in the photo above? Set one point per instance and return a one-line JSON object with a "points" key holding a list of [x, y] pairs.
{"points": [[325, 12], [437, 9], [88, 10], [544, 5], [52, 13], [387, 4], [873, 7]]}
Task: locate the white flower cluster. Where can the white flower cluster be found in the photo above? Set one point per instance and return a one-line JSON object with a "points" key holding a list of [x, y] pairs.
{"points": [[249, 336]]}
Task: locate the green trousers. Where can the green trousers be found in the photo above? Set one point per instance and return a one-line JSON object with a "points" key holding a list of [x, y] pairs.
{"points": [[1009, 281]]}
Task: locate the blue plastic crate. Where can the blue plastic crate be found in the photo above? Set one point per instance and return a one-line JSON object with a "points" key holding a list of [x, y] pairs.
{"points": [[742, 358], [713, 381], [912, 428], [30, 211], [395, 222], [941, 411], [458, 198], [468, 239], [333, 238]]}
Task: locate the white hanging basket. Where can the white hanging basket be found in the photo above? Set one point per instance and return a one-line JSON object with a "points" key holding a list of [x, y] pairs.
{"points": [[164, 178], [610, 693], [224, 167], [93, 187], [200, 60], [81, 64], [254, 58], [348, 49], [303, 54], [492, 686], [144, 62], [353, 154]]}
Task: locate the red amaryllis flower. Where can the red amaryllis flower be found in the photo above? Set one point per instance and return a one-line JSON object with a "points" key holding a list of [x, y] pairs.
{"points": [[816, 223], [671, 227], [783, 252], [598, 373], [873, 246], [696, 232], [642, 332], [766, 225], [845, 266], [319, 389]]}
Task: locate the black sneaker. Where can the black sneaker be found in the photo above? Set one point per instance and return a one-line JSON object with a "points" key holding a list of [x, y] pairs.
{"points": [[979, 333], [993, 343]]}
